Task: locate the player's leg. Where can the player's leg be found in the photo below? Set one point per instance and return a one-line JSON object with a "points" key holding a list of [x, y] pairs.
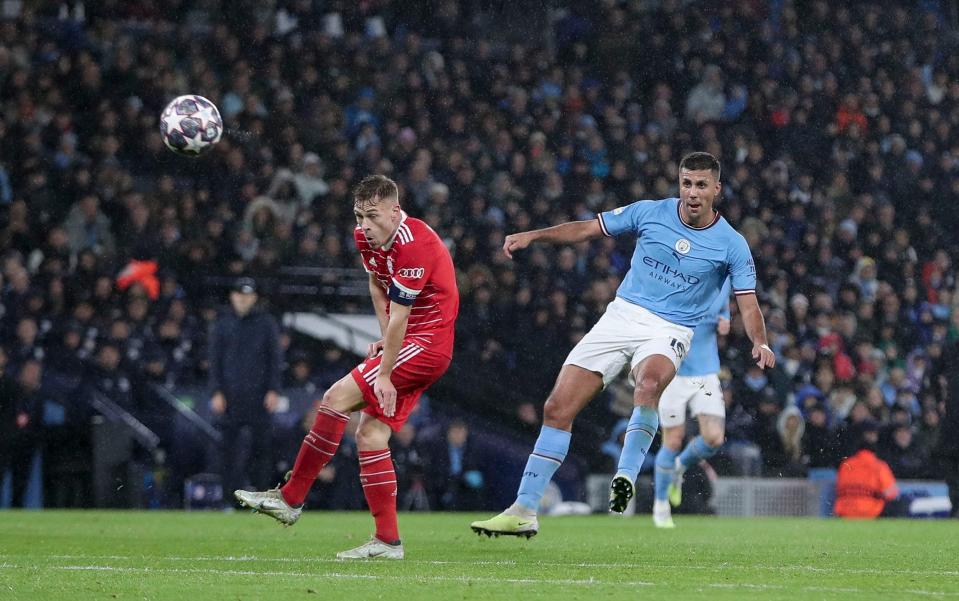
{"points": [[379, 487], [664, 470], [318, 447], [574, 388], [652, 374], [323, 439], [708, 408], [672, 420]]}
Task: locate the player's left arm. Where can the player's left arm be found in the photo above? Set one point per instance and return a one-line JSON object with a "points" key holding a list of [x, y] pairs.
{"points": [[742, 275], [756, 329]]}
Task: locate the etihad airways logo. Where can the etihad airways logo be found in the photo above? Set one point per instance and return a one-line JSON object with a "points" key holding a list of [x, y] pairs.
{"points": [[667, 270]]}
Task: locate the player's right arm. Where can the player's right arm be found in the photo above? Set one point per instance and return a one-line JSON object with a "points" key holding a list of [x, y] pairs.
{"points": [[378, 294], [630, 218], [565, 233]]}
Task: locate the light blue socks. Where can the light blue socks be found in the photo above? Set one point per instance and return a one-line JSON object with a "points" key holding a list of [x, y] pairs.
{"points": [[548, 454], [639, 435], [665, 466], [696, 450]]}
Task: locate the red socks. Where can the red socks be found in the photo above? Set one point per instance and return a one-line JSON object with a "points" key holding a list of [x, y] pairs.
{"points": [[379, 486], [317, 449], [376, 471]]}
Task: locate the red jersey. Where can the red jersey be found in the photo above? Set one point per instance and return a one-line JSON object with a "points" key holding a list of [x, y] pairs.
{"points": [[416, 269]]}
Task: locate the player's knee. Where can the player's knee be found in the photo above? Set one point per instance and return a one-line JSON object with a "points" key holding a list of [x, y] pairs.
{"points": [[714, 438], [365, 439], [372, 435], [334, 399], [557, 414], [673, 439], [648, 390]]}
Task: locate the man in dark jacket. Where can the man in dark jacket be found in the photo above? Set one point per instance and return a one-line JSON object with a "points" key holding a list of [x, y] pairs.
{"points": [[245, 377], [20, 417]]}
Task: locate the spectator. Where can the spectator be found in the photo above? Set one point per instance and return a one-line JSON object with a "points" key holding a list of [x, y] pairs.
{"points": [[707, 101], [903, 455], [455, 480], [818, 440], [88, 228], [410, 470]]}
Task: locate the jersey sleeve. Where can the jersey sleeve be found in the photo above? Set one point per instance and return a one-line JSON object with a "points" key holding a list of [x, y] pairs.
{"points": [[412, 270], [742, 268], [625, 219]]}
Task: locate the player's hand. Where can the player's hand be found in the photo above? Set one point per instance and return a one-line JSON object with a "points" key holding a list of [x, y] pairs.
{"points": [[385, 394], [271, 401], [722, 326], [515, 242], [374, 349], [218, 403], [764, 356]]}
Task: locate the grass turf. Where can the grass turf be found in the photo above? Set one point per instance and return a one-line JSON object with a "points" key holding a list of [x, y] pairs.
{"points": [[198, 556]]}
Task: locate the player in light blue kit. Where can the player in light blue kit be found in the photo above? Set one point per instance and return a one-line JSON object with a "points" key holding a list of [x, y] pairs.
{"points": [[684, 252], [697, 385]]}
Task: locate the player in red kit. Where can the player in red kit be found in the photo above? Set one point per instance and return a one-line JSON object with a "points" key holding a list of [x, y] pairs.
{"points": [[413, 286]]}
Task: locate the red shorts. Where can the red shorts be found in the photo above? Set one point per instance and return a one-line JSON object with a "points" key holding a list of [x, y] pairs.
{"points": [[416, 369]]}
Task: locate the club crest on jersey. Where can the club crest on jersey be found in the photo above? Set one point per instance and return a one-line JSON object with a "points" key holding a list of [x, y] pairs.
{"points": [[682, 246], [373, 261]]}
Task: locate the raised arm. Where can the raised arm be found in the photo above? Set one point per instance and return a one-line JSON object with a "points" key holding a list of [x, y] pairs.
{"points": [[756, 329], [565, 233]]}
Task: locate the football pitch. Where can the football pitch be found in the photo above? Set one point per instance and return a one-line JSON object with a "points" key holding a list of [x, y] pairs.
{"points": [[218, 556]]}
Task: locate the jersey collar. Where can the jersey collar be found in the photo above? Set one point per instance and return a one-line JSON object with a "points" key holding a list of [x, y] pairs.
{"points": [[389, 243], [679, 214]]}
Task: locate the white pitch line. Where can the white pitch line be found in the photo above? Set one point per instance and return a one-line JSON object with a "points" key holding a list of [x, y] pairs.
{"points": [[330, 575], [464, 579], [723, 567]]}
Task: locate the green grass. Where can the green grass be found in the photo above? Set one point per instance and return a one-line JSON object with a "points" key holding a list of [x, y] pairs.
{"points": [[197, 556]]}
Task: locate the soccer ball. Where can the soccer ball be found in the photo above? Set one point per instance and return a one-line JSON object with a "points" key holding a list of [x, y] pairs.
{"points": [[190, 125]]}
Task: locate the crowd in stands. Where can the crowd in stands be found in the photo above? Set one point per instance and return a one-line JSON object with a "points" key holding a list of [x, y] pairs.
{"points": [[836, 124]]}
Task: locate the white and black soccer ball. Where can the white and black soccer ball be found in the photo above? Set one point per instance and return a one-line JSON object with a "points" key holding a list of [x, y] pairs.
{"points": [[190, 125]]}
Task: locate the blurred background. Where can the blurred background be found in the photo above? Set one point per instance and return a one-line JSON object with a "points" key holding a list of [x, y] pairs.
{"points": [[837, 125]]}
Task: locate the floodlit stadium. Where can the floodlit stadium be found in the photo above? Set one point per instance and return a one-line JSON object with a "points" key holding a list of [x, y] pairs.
{"points": [[479, 299]]}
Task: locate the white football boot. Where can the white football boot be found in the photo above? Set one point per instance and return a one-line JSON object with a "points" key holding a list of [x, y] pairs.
{"points": [[662, 515], [271, 503], [373, 549]]}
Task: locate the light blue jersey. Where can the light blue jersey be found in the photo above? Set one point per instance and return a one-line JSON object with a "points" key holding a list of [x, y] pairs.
{"points": [[677, 271], [703, 356]]}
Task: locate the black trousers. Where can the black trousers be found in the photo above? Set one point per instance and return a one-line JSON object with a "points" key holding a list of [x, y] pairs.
{"points": [[18, 459], [247, 456]]}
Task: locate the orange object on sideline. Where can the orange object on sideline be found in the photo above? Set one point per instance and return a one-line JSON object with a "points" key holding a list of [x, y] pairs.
{"points": [[863, 485]]}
